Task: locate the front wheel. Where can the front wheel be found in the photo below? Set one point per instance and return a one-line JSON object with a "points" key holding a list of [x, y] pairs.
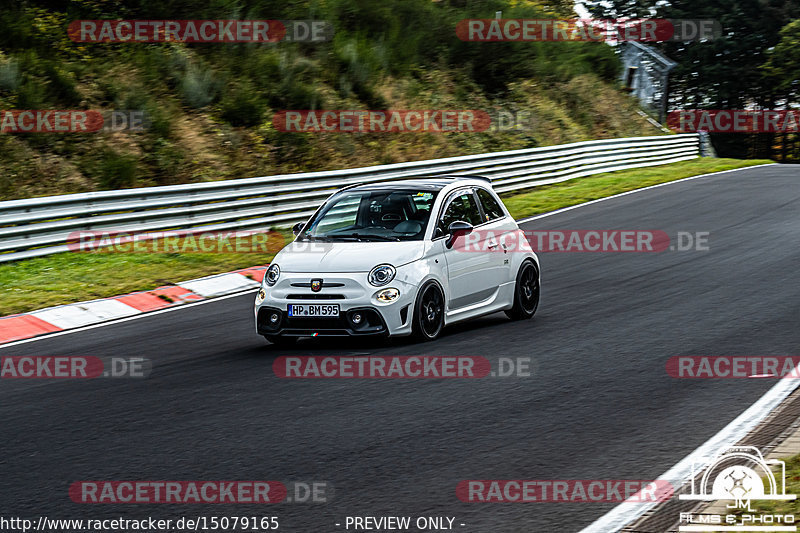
{"points": [[428, 312], [526, 292]]}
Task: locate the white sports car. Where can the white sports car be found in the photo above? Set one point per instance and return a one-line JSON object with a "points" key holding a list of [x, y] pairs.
{"points": [[399, 258]]}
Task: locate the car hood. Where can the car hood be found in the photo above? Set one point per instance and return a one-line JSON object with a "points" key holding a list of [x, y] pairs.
{"points": [[346, 256]]}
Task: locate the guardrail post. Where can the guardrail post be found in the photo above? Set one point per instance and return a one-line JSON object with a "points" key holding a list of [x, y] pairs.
{"points": [[706, 148]]}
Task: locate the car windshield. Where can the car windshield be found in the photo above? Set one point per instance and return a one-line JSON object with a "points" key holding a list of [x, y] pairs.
{"points": [[372, 215]]}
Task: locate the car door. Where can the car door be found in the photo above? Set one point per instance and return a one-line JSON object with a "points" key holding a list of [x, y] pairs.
{"points": [[468, 267], [496, 224]]}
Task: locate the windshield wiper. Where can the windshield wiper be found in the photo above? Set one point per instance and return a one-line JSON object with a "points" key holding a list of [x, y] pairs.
{"points": [[360, 236]]}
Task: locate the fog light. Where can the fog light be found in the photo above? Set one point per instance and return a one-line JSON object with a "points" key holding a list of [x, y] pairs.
{"points": [[387, 295], [274, 318], [356, 319], [261, 296]]}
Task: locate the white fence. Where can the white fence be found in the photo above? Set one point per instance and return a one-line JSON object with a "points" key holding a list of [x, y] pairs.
{"points": [[41, 226]]}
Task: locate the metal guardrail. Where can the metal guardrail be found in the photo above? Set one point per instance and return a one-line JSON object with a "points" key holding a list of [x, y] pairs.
{"points": [[41, 226]]}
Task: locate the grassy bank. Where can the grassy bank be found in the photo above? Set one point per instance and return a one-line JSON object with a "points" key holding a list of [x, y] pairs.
{"points": [[71, 277], [210, 107]]}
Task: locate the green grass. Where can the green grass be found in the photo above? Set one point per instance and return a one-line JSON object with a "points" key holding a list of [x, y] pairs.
{"points": [[789, 507], [72, 277]]}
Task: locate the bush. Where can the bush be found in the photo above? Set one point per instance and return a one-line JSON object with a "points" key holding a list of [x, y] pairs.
{"points": [[168, 160], [159, 123], [9, 75], [30, 95], [242, 107], [198, 88], [61, 86], [117, 171]]}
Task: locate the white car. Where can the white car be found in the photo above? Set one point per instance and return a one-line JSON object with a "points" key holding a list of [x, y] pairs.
{"points": [[399, 258]]}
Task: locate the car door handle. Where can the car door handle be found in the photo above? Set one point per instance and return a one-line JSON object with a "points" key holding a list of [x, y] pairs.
{"points": [[492, 245]]}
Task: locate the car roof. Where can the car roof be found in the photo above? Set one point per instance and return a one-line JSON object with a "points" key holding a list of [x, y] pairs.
{"points": [[434, 183]]}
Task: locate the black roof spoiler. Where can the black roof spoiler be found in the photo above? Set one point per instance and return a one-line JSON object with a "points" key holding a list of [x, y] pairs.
{"points": [[455, 177], [466, 177]]}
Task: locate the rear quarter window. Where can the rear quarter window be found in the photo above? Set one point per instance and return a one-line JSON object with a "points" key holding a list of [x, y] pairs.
{"points": [[491, 208]]}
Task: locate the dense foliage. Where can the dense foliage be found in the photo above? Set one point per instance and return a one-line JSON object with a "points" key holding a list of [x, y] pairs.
{"points": [[755, 63], [210, 105]]}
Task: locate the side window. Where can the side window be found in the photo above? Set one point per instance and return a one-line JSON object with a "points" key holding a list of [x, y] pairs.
{"points": [[461, 207], [491, 208]]}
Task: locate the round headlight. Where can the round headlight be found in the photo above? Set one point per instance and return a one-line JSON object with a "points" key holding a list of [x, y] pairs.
{"points": [[272, 275], [381, 275], [387, 295]]}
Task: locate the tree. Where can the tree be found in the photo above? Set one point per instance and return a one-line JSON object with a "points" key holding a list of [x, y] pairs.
{"points": [[782, 68]]}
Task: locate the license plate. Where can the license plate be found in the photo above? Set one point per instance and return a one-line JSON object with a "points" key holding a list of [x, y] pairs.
{"points": [[314, 310]]}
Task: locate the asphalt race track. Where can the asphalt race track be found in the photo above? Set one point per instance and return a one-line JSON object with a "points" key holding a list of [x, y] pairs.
{"points": [[599, 404]]}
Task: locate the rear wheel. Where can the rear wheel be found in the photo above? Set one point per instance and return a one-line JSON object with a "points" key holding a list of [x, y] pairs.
{"points": [[278, 340], [428, 312], [526, 292]]}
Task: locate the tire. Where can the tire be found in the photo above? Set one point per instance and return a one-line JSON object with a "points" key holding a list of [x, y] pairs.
{"points": [[278, 340], [428, 319], [526, 292]]}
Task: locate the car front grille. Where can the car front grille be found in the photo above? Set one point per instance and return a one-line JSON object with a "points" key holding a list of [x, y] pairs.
{"points": [[324, 284], [315, 297]]}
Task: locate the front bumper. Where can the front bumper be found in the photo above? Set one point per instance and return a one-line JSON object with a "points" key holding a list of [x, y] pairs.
{"points": [[350, 291], [371, 323]]}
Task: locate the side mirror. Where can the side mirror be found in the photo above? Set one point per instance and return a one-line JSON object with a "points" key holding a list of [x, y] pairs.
{"points": [[297, 228], [457, 229]]}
